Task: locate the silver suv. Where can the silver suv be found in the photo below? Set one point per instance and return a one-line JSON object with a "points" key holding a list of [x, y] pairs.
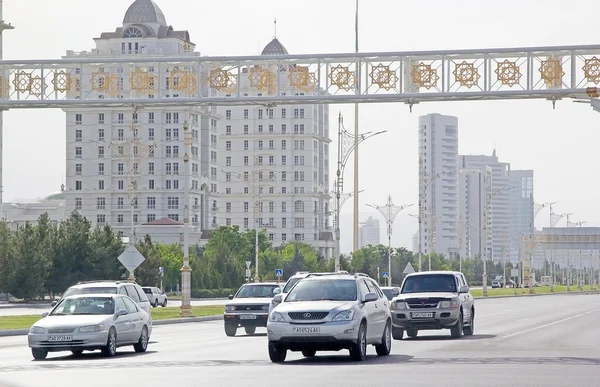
{"points": [[331, 312], [433, 300]]}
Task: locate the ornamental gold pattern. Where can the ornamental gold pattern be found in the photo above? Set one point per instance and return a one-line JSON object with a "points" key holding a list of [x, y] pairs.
{"points": [[384, 77], [221, 80], [466, 74], [300, 77], [262, 79], [423, 75], [552, 72], [22, 81], [38, 86], [104, 82], [184, 80], [141, 80], [508, 73], [342, 77], [591, 70], [61, 81]]}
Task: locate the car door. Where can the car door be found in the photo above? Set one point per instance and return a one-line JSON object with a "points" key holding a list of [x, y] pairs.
{"points": [[136, 322], [464, 298], [370, 309], [381, 306], [469, 300], [122, 322]]}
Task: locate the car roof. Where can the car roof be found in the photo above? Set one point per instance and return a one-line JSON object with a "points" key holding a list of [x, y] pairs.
{"points": [[94, 295], [438, 272], [388, 287], [89, 284], [262, 283]]}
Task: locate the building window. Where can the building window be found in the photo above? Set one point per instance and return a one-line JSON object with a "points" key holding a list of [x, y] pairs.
{"points": [[78, 202], [246, 222], [174, 217], [101, 118], [78, 185], [151, 168], [101, 203], [120, 185], [228, 145], [150, 184], [150, 218], [101, 219], [101, 185], [151, 203], [120, 203], [228, 207], [173, 203], [78, 119]]}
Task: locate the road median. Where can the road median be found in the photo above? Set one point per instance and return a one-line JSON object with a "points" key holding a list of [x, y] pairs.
{"points": [[19, 325], [539, 291]]}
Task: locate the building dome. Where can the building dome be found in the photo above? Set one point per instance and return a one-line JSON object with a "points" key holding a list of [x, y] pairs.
{"points": [[274, 48], [55, 196], [144, 11]]}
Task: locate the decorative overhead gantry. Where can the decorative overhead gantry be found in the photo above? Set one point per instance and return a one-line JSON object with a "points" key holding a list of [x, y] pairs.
{"points": [[92, 80]]}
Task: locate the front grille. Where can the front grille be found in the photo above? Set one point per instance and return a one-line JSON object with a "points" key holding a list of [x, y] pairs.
{"points": [[61, 343], [250, 307], [425, 303], [61, 330], [308, 315]]}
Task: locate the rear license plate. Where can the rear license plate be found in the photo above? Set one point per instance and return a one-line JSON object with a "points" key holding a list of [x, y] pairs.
{"points": [[60, 338], [247, 317], [306, 330], [422, 315]]}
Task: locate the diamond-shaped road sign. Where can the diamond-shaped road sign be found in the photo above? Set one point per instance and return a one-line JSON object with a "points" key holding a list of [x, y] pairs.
{"points": [[131, 258], [385, 274], [408, 269], [248, 263]]}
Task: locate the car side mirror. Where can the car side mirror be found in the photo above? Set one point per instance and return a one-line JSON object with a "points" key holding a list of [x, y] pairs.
{"points": [[122, 312], [278, 298], [395, 292], [276, 291], [45, 314], [230, 297], [370, 297], [464, 289], [53, 303]]}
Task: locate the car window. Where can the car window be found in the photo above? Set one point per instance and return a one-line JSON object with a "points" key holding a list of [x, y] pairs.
{"points": [[464, 280], [429, 283], [85, 306], [147, 290], [121, 304], [141, 294], [323, 289], [131, 292], [375, 288], [123, 291], [131, 307], [90, 290], [256, 291], [290, 284]]}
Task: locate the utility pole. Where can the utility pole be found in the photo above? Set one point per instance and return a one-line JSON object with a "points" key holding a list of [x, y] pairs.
{"points": [[3, 92], [186, 270], [389, 211]]}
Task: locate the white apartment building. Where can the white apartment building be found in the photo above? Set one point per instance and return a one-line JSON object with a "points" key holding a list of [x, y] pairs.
{"points": [[369, 233], [474, 183], [287, 148], [103, 182], [500, 209], [438, 153]]}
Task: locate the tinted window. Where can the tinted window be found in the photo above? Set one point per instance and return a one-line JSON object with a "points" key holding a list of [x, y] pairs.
{"points": [[256, 291], [147, 290], [429, 283], [388, 293], [131, 307], [374, 288], [131, 292], [85, 305], [323, 289], [90, 290], [290, 284], [121, 304]]}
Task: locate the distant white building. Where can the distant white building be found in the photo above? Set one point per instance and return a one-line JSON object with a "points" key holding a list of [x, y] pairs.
{"points": [[18, 213], [521, 204], [99, 168], [438, 153], [474, 183], [369, 233]]}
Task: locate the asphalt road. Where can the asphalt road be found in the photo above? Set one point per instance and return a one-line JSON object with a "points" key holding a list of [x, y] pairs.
{"points": [[530, 341], [31, 309]]}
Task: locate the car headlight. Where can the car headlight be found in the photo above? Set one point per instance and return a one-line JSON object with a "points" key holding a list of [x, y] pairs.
{"points": [[448, 304], [38, 330], [276, 317], [229, 308], [398, 305], [92, 328], [265, 307], [346, 315]]}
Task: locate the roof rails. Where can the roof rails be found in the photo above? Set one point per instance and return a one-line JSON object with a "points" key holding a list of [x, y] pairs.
{"points": [[356, 275], [91, 282], [321, 274], [301, 272]]}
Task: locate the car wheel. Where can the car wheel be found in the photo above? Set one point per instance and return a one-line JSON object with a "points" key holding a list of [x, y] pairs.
{"points": [[397, 333], [412, 333], [277, 354], [164, 304], [358, 352], [230, 330], [110, 349], [155, 303], [39, 354], [309, 353], [468, 331], [142, 344], [250, 330], [77, 352], [385, 347], [457, 330]]}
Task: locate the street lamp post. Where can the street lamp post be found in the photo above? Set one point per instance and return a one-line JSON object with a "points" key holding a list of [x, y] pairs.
{"points": [[389, 211], [536, 210], [3, 26], [337, 207], [186, 270], [347, 144]]}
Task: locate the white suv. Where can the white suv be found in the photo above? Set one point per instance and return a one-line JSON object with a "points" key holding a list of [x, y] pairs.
{"points": [[331, 312], [155, 296]]}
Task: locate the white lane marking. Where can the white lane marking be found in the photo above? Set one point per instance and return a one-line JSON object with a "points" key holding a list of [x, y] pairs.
{"points": [[550, 324], [523, 319]]}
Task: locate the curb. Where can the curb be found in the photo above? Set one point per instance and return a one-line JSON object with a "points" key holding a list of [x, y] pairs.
{"points": [[182, 320], [540, 295]]}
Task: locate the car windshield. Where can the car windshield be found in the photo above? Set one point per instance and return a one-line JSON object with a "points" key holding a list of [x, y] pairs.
{"points": [[323, 289], [90, 290], [389, 293], [256, 291], [84, 305], [429, 283], [147, 290], [290, 284]]}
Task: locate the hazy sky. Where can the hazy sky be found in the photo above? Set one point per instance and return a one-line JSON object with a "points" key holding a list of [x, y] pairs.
{"points": [[560, 145]]}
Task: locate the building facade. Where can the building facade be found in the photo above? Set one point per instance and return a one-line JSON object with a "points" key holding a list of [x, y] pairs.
{"points": [[369, 233], [275, 161], [474, 183], [125, 167], [17, 214], [521, 205], [438, 154]]}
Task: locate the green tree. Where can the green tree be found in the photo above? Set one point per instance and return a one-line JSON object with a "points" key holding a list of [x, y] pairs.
{"points": [[172, 260], [148, 273], [30, 264], [226, 252], [105, 247], [7, 258]]}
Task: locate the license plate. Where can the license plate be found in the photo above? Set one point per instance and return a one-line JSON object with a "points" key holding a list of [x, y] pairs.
{"points": [[422, 315], [306, 330], [247, 317], [60, 338]]}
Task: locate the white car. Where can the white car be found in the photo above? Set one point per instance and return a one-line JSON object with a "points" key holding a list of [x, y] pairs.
{"points": [[155, 296], [249, 307], [88, 322]]}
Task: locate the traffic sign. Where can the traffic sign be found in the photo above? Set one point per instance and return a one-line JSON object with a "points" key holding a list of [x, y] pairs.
{"points": [[161, 270], [278, 272], [514, 272], [248, 263], [385, 274], [131, 258], [248, 274], [408, 269]]}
